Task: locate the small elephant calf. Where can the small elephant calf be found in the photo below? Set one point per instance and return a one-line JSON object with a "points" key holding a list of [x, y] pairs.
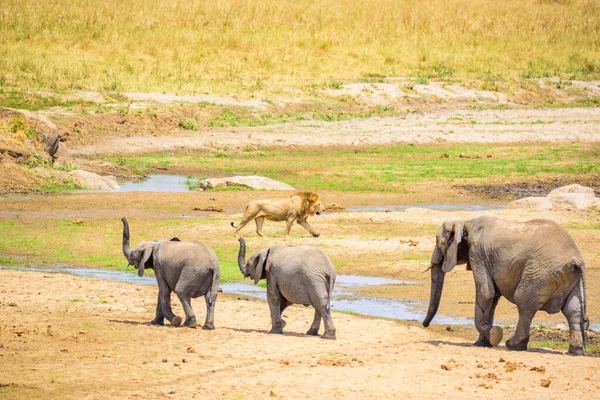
{"points": [[188, 268], [295, 275]]}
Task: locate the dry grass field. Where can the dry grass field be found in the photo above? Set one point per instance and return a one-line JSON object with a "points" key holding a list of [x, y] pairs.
{"points": [[245, 47]]}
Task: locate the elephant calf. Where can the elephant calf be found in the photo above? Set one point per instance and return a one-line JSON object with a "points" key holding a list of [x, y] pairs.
{"points": [[295, 275], [534, 264], [188, 268]]}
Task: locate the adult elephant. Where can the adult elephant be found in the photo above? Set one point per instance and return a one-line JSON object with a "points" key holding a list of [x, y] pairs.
{"points": [[295, 275], [534, 264], [188, 268]]}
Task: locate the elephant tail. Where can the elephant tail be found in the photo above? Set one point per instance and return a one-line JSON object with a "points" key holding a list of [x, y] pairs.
{"points": [[330, 283], [214, 288], [585, 322]]}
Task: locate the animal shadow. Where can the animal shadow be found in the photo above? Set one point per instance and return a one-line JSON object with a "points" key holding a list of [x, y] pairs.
{"points": [[498, 348]]}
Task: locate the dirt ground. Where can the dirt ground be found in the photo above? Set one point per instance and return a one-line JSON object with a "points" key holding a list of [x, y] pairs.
{"points": [[63, 336], [69, 337]]}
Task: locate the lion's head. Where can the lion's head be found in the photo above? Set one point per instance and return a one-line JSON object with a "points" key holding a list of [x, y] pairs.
{"points": [[311, 204]]}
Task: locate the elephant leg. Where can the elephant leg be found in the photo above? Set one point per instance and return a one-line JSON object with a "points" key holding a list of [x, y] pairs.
{"points": [[486, 300], [520, 339], [572, 309], [316, 324], [284, 304], [211, 301], [274, 299], [164, 294], [184, 298], [259, 225], [329, 326], [304, 223], [159, 319]]}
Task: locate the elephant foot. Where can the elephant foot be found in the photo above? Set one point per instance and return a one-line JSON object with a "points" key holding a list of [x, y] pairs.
{"points": [[208, 327], [482, 342], [518, 346], [176, 321], [575, 350], [313, 332], [190, 323], [278, 331], [495, 335], [329, 335], [160, 322]]}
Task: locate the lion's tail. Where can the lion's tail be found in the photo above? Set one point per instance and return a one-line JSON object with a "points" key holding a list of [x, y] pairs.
{"points": [[232, 224]]}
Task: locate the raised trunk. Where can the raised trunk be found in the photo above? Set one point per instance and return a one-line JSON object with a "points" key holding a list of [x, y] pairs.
{"points": [[242, 257], [437, 284], [126, 249]]}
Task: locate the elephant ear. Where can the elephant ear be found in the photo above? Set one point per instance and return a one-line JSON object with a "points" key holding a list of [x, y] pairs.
{"points": [[146, 256], [454, 237], [260, 265]]}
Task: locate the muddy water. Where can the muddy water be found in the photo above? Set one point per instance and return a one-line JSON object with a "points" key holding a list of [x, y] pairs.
{"points": [[159, 183], [439, 207], [175, 183], [344, 298]]}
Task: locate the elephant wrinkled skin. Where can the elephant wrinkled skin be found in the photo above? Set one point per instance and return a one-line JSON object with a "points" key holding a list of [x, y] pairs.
{"points": [[534, 264], [295, 275], [188, 268]]}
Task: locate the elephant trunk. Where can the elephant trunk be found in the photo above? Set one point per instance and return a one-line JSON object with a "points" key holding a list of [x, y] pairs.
{"points": [[242, 258], [126, 248], [437, 284]]}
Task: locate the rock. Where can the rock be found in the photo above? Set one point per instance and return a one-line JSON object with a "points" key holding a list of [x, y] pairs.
{"points": [[209, 208], [574, 188], [572, 196], [46, 129], [580, 201], [93, 181], [531, 202], [253, 182], [334, 207], [546, 382]]}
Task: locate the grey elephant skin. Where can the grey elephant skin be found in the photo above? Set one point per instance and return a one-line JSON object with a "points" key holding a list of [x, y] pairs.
{"points": [[295, 275], [534, 264], [188, 268]]}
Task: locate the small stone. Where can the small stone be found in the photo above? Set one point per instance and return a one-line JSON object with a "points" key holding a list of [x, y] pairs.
{"points": [[191, 350], [546, 382], [446, 367], [541, 369], [164, 360]]}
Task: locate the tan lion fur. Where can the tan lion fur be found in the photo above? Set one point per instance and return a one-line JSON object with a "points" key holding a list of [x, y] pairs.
{"points": [[298, 207]]}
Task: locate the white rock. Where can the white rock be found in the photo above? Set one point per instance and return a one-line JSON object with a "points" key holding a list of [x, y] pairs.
{"points": [[93, 181], [253, 182], [531, 202], [580, 201], [574, 188]]}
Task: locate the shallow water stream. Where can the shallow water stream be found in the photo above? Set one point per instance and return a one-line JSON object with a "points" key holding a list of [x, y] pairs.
{"points": [[344, 299]]}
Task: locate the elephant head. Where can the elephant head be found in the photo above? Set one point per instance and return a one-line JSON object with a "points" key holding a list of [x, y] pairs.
{"points": [[451, 248], [141, 255], [255, 268]]}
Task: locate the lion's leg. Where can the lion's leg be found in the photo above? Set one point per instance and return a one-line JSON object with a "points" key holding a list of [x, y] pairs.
{"points": [[259, 224], [245, 220], [288, 226], [304, 223]]}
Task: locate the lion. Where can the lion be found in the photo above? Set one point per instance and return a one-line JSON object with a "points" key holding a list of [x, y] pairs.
{"points": [[297, 207]]}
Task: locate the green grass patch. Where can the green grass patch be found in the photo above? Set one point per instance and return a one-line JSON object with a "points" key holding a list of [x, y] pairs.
{"points": [[389, 169]]}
